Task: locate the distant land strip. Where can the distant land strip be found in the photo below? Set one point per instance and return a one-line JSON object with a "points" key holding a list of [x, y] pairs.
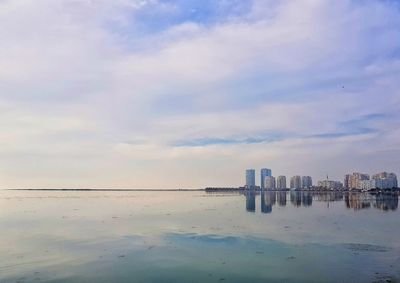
{"points": [[112, 190]]}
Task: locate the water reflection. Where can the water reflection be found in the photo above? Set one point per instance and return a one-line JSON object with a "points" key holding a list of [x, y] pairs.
{"points": [[281, 198], [188, 236], [386, 203], [356, 201], [295, 198], [268, 199], [250, 201]]}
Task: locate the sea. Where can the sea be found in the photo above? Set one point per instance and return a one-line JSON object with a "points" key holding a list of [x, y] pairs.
{"points": [[196, 236]]}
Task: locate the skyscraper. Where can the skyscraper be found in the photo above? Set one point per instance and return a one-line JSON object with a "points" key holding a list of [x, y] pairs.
{"points": [[250, 178], [346, 182], [281, 183], [264, 173], [295, 182], [306, 182], [269, 183], [355, 180], [385, 180]]}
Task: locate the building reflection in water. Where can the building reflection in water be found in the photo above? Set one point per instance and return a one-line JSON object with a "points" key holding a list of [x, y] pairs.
{"points": [[352, 200], [301, 198], [306, 198], [328, 196], [295, 198], [268, 199], [357, 200], [281, 198], [250, 201], [384, 202]]}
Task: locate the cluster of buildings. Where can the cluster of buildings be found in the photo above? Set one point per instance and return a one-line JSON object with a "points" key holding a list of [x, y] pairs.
{"points": [[330, 185], [355, 181], [360, 181], [269, 182]]}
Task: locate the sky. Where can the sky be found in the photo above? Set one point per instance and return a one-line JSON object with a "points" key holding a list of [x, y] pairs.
{"points": [[188, 94]]}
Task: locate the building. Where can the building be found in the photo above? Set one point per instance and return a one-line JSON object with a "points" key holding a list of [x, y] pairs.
{"points": [[265, 172], [355, 180], [385, 180], [366, 185], [330, 185], [306, 182], [346, 183], [270, 183], [250, 178], [363, 182], [295, 182], [281, 183]]}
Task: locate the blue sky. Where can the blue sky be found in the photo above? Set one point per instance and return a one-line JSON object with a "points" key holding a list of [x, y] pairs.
{"points": [[150, 93]]}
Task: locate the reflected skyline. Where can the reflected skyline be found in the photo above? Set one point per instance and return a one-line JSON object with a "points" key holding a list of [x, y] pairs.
{"points": [[268, 199], [176, 236], [355, 201], [250, 201]]}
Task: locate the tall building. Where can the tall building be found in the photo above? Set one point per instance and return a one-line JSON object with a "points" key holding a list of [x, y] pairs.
{"points": [[250, 178], [361, 181], [269, 183], [367, 185], [295, 182], [281, 183], [346, 182], [264, 173], [306, 182], [385, 180], [355, 180]]}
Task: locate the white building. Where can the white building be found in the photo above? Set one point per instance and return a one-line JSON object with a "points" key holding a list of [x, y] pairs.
{"points": [[366, 185], [270, 183], [295, 182], [330, 185], [281, 183]]}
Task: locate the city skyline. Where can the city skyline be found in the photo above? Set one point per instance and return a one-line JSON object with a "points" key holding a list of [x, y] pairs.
{"points": [[355, 180], [171, 94]]}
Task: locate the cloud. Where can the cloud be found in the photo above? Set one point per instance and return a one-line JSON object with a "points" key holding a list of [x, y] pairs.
{"points": [[173, 85]]}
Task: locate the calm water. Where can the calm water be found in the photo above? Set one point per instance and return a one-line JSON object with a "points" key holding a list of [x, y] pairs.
{"points": [[198, 237]]}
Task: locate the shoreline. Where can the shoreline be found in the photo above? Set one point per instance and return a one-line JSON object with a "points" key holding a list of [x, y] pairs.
{"points": [[111, 190], [207, 190]]}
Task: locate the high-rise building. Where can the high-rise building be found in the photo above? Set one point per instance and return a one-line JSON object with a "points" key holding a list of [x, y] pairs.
{"points": [[295, 182], [355, 180], [250, 178], [346, 182], [306, 182], [281, 183], [269, 183], [264, 173], [385, 180], [361, 181]]}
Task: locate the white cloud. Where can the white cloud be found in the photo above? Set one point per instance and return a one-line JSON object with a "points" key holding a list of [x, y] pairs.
{"points": [[85, 88]]}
